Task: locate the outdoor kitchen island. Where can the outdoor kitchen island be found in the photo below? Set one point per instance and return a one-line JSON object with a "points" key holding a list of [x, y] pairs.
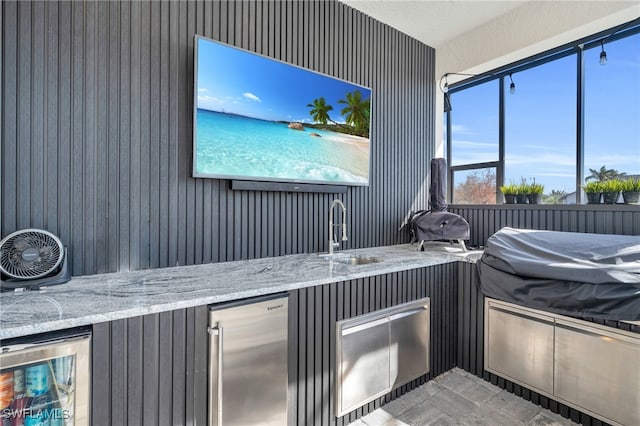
{"points": [[149, 353]]}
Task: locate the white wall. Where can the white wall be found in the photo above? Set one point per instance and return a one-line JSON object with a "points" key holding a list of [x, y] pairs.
{"points": [[528, 30]]}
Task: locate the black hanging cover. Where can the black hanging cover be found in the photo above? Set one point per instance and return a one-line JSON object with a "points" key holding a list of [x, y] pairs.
{"points": [[438, 185], [438, 224]]}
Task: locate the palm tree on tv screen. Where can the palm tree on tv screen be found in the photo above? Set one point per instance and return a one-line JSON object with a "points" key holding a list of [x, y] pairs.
{"points": [[320, 110], [356, 112]]}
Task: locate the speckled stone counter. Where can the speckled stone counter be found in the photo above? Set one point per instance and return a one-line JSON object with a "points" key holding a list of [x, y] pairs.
{"points": [[97, 298]]}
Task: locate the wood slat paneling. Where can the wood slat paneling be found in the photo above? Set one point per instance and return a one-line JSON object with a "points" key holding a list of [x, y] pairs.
{"points": [[602, 219], [97, 129]]}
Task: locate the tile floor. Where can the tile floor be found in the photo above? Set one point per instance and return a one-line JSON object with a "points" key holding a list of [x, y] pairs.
{"points": [[460, 398]]}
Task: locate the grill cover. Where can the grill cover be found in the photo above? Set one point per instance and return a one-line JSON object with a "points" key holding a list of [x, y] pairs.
{"points": [[438, 224], [575, 274], [434, 226], [438, 185]]}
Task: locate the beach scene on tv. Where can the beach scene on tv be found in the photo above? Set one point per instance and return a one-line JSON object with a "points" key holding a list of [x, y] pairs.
{"points": [[261, 119]]}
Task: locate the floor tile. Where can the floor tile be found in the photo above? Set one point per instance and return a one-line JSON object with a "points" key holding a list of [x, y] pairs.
{"points": [[514, 406], [489, 416], [465, 385], [395, 422], [453, 380], [441, 421], [547, 418], [452, 403], [460, 398], [395, 407], [422, 414], [377, 417]]}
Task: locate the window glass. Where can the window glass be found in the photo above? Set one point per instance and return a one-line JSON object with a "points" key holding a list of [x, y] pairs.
{"points": [[612, 110], [474, 124], [540, 128], [477, 186]]}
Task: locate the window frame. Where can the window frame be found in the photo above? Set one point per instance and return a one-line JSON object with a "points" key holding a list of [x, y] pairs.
{"points": [[576, 48]]}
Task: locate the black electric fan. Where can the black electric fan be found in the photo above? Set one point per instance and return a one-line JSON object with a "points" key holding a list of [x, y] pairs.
{"points": [[32, 258]]}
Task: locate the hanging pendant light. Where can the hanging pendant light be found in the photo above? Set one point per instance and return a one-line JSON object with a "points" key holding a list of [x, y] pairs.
{"points": [[603, 55]]}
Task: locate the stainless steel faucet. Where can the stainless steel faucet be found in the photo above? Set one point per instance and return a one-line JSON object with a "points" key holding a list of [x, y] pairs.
{"points": [[333, 243]]}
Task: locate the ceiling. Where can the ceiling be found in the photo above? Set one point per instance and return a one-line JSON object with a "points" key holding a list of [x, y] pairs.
{"points": [[434, 22]]}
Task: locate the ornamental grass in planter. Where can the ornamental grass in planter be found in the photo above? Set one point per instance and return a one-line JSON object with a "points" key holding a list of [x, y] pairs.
{"points": [[611, 190], [593, 191], [534, 193], [522, 191], [631, 190], [509, 192]]}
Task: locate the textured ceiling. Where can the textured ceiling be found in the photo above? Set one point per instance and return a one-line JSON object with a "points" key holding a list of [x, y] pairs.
{"points": [[434, 22]]}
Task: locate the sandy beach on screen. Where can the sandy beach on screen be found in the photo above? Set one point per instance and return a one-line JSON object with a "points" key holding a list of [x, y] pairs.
{"points": [[359, 141]]}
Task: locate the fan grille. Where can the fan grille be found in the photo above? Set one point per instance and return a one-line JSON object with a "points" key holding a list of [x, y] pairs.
{"points": [[30, 254]]}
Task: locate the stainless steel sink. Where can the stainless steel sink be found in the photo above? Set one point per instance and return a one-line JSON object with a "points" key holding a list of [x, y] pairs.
{"points": [[352, 259]]}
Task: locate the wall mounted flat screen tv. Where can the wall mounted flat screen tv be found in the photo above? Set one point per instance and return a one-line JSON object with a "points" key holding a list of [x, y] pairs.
{"points": [[260, 119]]}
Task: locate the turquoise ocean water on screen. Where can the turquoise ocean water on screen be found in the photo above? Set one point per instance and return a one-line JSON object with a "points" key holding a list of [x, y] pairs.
{"points": [[233, 146]]}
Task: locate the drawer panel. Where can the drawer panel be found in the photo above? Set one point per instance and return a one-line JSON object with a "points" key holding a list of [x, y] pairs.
{"points": [[598, 372], [520, 348]]}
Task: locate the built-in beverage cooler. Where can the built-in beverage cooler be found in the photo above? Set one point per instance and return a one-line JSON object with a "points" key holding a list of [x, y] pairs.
{"points": [[248, 370], [46, 382]]}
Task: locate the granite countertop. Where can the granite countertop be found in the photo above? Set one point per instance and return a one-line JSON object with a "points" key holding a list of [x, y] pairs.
{"points": [[94, 299]]}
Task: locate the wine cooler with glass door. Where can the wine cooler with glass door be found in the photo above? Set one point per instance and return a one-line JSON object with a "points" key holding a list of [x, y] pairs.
{"points": [[46, 382]]}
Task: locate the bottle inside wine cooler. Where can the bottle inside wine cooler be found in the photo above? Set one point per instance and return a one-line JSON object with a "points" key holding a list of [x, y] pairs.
{"points": [[19, 398], [37, 381], [6, 396], [48, 390]]}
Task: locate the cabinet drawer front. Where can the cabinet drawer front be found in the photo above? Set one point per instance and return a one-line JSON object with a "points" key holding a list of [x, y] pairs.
{"points": [[364, 367], [520, 348], [599, 372], [409, 346]]}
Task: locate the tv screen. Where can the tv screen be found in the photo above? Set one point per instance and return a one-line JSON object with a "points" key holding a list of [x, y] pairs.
{"points": [[260, 119]]}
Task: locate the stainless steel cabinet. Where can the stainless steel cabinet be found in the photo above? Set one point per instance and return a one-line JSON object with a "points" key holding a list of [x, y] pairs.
{"points": [[598, 370], [380, 351], [593, 368], [519, 346]]}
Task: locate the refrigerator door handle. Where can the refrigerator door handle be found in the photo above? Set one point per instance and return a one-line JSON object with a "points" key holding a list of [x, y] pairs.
{"points": [[220, 352], [217, 332]]}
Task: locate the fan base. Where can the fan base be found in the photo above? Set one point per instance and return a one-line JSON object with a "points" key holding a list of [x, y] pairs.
{"points": [[62, 276]]}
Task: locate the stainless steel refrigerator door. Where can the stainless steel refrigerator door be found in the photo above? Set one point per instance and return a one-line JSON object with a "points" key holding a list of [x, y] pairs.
{"points": [[248, 377]]}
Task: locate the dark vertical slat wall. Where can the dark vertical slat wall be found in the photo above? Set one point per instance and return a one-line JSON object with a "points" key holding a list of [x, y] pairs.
{"points": [[97, 102], [612, 219], [470, 344], [151, 370]]}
